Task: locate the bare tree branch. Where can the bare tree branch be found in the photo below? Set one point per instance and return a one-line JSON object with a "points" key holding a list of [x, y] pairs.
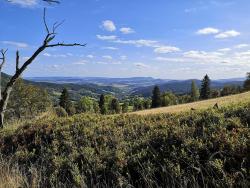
{"points": [[63, 44], [17, 60], [46, 44], [3, 52]]}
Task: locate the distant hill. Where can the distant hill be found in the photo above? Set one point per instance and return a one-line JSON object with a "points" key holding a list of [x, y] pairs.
{"points": [[121, 87], [76, 90], [132, 82]]}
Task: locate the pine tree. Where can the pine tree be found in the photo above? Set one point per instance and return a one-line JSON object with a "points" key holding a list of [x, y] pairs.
{"points": [[195, 93], [247, 82], [64, 100], [156, 98], [115, 106], [205, 88], [102, 104]]}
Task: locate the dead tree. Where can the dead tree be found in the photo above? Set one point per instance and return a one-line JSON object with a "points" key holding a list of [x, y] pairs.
{"points": [[47, 43]]}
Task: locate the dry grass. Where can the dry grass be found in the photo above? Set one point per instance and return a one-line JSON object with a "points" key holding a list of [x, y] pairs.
{"points": [[222, 101], [10, 175]]}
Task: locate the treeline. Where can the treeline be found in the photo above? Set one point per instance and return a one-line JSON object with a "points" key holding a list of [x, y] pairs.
{"points": [[28, 101], [108, 104]]}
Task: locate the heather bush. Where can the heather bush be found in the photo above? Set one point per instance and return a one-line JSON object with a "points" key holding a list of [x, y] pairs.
{"points": [[194, 149]]}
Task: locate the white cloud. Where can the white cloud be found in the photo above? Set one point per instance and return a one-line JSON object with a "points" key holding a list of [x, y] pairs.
{"points": [[57, 55], [207, 31], [24, 3], [107, 57], [109, 48], [47, 54], [108, 25], [16, 44], [239, 46], [166, 59], [224, 49], [202, 55], [109, 37], [166, 49], [90, 56], [139, 43], [227, 34], [127, 30], [141, 65]]}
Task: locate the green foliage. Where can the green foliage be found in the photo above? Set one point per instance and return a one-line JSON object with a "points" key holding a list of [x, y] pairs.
{"points": [[168, 99], [27, 101], [156, 98], [195, 93], [205, 88], [60, 111], [247, 82], [85, 104], [102, 107], [115, 106], [196, 149], [230, 90], [64, 100], [125, 107]]}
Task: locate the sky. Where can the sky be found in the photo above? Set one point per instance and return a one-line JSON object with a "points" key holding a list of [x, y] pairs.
{"points": [[167, 39]]}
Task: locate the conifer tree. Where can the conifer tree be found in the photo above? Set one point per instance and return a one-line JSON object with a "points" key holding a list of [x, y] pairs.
{"points": [[64, 100], [195, 93], [205, 88], [115, 106], [102, 104], [247, 83], [156, 98]]}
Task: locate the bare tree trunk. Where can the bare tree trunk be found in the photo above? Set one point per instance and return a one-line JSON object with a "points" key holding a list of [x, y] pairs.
{"points": [[4, 97]]}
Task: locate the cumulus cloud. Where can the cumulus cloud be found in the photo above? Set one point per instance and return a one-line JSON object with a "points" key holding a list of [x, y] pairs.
{"points": [[25, 3], [16, 44], [166, 59], [106, 37], [166, 49], [208, 31], [227, 34], [58, 55], [90, 56], [127, 30], [108, 25], [139, 43], [239, 46], [224, 49]]}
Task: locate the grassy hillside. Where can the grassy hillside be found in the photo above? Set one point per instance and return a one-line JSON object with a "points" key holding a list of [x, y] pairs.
{"points": [[193, 149], [221, 101]]}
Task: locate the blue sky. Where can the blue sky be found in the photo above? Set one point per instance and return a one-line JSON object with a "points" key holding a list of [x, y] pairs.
{"points": [[164, 39]]}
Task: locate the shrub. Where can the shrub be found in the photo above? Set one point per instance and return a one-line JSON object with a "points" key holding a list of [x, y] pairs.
{"points": [[60, 112]]}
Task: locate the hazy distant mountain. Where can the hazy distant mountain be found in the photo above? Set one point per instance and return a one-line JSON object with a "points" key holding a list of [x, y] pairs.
{"points": [[119, 82], [121, 87]]}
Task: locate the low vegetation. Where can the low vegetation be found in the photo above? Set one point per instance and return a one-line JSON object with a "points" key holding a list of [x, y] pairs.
{"points": [[195, 149]]}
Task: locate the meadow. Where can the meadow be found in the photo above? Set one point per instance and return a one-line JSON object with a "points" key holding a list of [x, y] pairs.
{"points": [[221, 101], [202, 148]]}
